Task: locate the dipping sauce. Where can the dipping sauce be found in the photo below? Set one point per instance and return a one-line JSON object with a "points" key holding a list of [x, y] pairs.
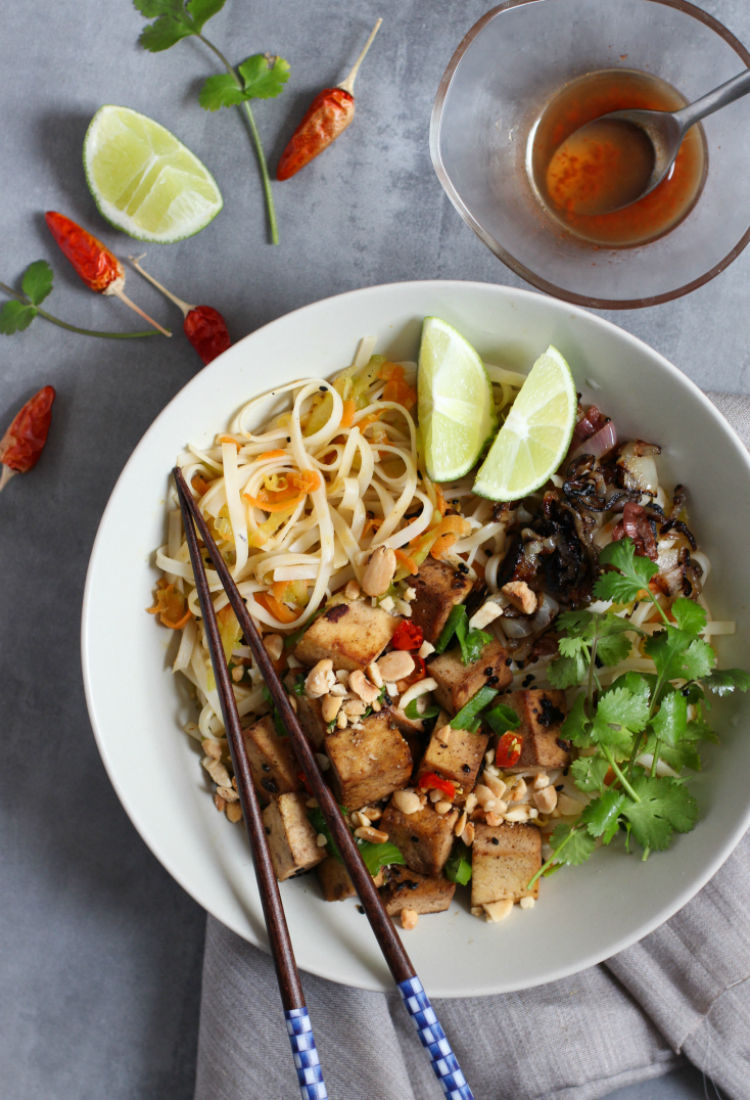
{"points": [[576, 186]]}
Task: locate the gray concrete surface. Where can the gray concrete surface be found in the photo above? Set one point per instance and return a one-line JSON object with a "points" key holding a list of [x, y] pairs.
{"points": [[100, 950]]}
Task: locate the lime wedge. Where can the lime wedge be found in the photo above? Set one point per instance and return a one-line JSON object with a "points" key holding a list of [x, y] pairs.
{"points": [[144, 180], [456, 408], [535, 438]]}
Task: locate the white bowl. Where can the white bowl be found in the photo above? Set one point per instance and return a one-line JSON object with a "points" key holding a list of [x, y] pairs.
{"points": [[585, 914]]}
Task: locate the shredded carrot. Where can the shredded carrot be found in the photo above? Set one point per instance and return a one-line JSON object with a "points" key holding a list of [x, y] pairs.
{"points": [[439, 499], [170, 606], [280, 611], [271, 454], [278, 588], [374, 523], [397, 389], [200, 484], [366, 421], [300, 482], [228, 439], [442, 545], [406, 561], [451, 529], [347, 418]]}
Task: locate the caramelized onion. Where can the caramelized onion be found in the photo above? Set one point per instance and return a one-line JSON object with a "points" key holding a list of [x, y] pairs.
{"points": [[600, 443]]}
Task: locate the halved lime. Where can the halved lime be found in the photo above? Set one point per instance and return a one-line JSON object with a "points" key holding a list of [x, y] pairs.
{"points": [[535, 438], [144, 180], [456, 408]]}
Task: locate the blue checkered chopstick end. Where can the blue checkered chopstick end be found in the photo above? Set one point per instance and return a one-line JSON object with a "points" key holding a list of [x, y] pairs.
{"points": [[444, 1062], [306, 1060]]}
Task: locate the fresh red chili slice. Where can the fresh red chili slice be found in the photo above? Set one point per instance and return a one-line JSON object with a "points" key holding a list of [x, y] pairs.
{"points": [[432, 781], [22, 445], [408, 636], [509, 749]]}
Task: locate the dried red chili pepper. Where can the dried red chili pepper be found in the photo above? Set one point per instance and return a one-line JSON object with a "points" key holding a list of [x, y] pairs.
{"points": [[328, 116], [432, 781], [99, 268], [508, 749], [204, 326], [22, 445], [408, 636]]}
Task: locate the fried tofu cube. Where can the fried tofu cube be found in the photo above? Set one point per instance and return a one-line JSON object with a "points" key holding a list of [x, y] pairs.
{"points": [[457, 682], [334, 880], [458, 758], [504, 858], [425, 838], [542, 712], [272, 761], [310, 714], [407, 889], [368, 764], [292, 840], [439, 588], [351, 633]]}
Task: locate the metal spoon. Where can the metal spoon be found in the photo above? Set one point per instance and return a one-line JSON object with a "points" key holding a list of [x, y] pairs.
{"points": [[649, 142]]}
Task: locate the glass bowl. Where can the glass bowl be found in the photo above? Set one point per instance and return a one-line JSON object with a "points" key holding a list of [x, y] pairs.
{"points": [[499, 80]]}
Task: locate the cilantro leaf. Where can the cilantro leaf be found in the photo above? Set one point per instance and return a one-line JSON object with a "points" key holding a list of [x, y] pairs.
{"points": [[264, 77], [571, 845], [670, 721], [171, 23], [614, 646], [724, 680], [688, 615], [569, 671], [15, 317], [679, 655], [699, 730], [576, 727], [683, 755], [620, 714], [634, 572], [458, 867], [665, 806], [37, 281], [220, 91], [588, 773], [203, 10], [602, 815]]}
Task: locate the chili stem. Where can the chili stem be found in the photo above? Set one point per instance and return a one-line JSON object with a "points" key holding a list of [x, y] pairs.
{"points": [[74, 328], [124, 298], [257, 142], [172, 297], [7, 474], [348, 84]]}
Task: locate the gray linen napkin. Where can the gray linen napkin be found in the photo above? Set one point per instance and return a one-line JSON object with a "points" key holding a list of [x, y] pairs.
{"points": [[683, 991]]}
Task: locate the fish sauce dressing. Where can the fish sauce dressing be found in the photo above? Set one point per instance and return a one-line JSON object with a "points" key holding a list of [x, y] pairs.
{"points": [[608, 170]]}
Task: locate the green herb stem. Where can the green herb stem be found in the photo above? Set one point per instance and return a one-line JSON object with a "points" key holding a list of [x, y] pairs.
{"points": [[256, 141], [619, 773], [75, 328], [552, 859]]}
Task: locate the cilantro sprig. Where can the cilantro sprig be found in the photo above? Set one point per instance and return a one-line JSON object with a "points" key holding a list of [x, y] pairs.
{"points": [[261, 76], [639, 715], [36, 285]]}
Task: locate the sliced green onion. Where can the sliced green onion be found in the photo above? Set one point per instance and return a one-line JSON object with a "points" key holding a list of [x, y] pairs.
{"points": [[465, 717]]}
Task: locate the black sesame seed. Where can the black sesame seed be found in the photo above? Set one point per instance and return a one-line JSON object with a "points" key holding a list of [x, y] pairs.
{"points": [[463, 568], [419, 475], [565, 771], [269, 785], [495, 840], [412, 885], [265, 767], [268, 831], [414, 839], [387, 700], [359, 908], [467, 768], [489, 671], [322, 388], [559, 787], [493, 680], [509, 661]]}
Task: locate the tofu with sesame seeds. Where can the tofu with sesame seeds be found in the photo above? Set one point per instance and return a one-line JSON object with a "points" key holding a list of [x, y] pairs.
{"points": [[457, 757], [272, 761], [439, 587], [407, 889], [292, 840], [351, 633], [458, 682], [504, 858], [368, 764], [542, 712], [425, 837]]}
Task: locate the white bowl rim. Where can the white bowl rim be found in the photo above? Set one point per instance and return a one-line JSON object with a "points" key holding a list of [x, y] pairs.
{"points": [[563, 970]]}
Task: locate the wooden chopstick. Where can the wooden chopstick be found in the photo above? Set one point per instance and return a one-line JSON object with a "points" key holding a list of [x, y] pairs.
{"points": [[444, 1061], [307, 1063]]}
